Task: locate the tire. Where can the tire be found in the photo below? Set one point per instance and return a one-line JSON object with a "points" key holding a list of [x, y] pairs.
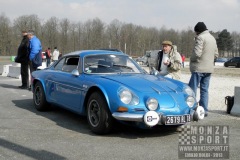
{"points": [[39, 98], [99, 117], [238, 65]]}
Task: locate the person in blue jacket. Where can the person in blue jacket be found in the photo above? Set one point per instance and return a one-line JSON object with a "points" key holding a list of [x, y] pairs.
{"points": [[34, 48]]}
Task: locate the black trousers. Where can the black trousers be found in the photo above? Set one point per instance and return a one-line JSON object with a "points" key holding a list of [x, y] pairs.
{"points": [[24, 74]]}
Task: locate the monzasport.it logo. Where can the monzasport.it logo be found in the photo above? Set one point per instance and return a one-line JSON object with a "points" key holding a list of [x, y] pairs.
{"points": [[204, 142]]}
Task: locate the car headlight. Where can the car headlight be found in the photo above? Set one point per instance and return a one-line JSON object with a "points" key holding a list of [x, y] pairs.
{"points": [[152, 104], [127, 97], [190, 101]]}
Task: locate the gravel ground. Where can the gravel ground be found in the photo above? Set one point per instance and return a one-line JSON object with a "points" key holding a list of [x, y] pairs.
{"points": [[222, 84]]}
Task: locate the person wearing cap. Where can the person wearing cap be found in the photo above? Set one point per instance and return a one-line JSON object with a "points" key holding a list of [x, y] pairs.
{"points": [[202, 63], [169, 61], [22, 57]]}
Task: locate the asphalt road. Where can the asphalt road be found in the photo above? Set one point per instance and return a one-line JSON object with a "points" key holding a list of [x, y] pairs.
{"points": [[58, 134]]}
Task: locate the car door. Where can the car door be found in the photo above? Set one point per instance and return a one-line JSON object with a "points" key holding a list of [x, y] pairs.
{"points": [[67, 88], [233, 62]]}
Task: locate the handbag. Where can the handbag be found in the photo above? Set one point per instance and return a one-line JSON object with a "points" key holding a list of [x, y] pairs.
{"points": [[229, 101], [17, 60], [37, 60]]}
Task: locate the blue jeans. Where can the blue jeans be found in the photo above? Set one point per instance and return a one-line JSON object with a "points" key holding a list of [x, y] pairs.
{"points": [[48, 62], [203, 79]]}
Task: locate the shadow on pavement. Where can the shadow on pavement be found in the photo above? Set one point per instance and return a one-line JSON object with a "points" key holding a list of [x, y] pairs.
{"points": [[41, 154], [75, 122], [61, 117], [219, 112], [9, 86]]}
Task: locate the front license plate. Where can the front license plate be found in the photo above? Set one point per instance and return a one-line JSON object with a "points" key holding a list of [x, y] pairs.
{"points": [[178, 119]]}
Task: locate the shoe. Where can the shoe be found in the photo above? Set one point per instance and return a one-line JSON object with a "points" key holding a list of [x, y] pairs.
{"points": [[30, 88], [23, 87], [206, 114]]}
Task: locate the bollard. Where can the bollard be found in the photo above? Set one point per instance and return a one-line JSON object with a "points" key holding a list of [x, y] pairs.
{"points": [[6, 69], [14, 71], [236, 107], [229, 100]]}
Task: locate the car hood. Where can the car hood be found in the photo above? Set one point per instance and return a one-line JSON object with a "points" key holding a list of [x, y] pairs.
{"points": [[145, 83]]}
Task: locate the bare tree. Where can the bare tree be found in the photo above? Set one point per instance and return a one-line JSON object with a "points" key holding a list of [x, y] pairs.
{"points": [[93, 34], [114, 34], [50, 32], [79, 34], [97, 31], [236, 43], [64, 27], [6, 40], [186, 42]]}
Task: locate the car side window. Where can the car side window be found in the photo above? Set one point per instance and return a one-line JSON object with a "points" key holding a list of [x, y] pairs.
{"points": [[234, 60], [70, 64]]}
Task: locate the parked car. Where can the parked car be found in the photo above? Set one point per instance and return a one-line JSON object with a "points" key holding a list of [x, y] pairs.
{"points": [[152, 58], [235, 61], [221, 60], [142, 60], [108, 86], [43, 55]]}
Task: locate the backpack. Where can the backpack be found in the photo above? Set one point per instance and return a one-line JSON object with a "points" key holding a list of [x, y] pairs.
{"points": [[229, 101], [37, 60], [48, 56]]}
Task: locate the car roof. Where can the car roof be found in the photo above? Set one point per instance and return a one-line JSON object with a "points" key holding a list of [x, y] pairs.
{"points": [[93, 52]]}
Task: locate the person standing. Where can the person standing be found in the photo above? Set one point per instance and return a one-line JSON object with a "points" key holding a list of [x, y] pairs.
{"points": [[22, 57], [35, 48], [183, 59], [48, 56], [55, 54], [169, 61], [201, 62]]}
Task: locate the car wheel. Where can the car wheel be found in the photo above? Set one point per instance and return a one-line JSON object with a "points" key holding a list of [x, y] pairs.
{"points": [[225, 65], [238, 65], [39, 98], [98, 115]]}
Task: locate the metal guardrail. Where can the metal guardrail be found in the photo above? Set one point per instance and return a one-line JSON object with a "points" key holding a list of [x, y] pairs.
{"points": [[6, 58]]}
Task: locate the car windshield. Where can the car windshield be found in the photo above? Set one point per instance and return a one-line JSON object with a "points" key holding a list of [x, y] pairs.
{"points": [[110, 63]]}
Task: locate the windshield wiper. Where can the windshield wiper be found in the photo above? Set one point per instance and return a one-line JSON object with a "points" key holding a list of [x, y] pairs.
{"points": [[91, 64], [104, 65], [124, 66]]}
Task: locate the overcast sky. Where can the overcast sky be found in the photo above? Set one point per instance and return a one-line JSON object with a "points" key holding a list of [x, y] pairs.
{"points": [[175, 14]]}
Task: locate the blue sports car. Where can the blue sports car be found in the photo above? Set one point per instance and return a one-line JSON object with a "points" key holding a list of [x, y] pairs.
{"points": [[109, 86]]}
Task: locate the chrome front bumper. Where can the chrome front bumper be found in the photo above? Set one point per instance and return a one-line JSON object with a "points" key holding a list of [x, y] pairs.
{"points": [[195, 114]]}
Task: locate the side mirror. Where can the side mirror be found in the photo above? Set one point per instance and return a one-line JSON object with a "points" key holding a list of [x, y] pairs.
{"points": [[75, 72], [154, 71]]}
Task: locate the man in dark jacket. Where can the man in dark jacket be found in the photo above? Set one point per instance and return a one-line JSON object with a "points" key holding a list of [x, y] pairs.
{"points": [[23, 58]]}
